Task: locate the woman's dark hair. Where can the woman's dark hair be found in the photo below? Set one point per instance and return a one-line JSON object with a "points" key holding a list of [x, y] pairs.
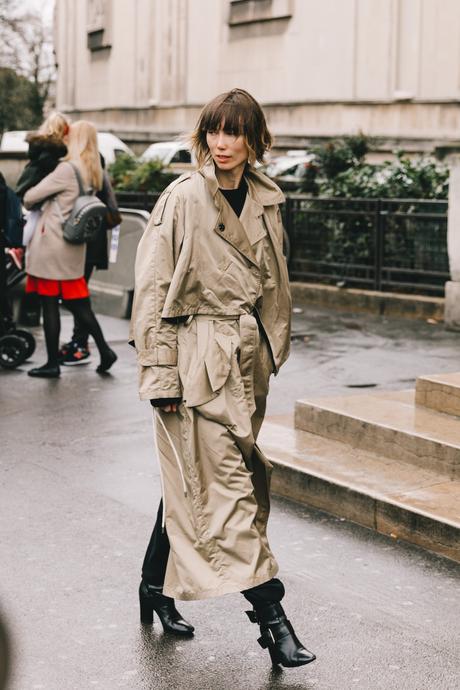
{"points": [[239, 114]]}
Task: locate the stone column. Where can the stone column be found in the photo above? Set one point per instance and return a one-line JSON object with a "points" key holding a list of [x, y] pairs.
{"points": [[451, 155]]}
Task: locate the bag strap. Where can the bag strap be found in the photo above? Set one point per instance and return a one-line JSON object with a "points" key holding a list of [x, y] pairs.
{"points": [[81, 188]]}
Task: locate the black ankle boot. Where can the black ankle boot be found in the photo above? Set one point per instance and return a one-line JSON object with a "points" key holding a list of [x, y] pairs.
{"points": [[107, 359], [47, 371], [151, 598], [278, 636]]}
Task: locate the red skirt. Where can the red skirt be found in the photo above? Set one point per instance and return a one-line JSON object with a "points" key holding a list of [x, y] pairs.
{"points": [[66, 289]]}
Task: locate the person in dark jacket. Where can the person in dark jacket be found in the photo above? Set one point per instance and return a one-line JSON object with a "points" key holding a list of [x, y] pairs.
{"points": [[6, 315], [76, 351], [46, 148]]}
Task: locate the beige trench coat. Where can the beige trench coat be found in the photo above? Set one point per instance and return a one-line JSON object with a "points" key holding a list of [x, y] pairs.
{"points": [[48, 254], [227, 278]]}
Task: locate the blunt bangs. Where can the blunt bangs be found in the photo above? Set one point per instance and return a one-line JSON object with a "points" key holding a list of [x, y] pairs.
{"points": [[240, 115], [226, 115]]}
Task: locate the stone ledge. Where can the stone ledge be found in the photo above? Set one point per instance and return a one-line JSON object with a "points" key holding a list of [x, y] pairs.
{"points": [[388, 518], [390, 304], [440, 392], [387, 495], [387, 423]]}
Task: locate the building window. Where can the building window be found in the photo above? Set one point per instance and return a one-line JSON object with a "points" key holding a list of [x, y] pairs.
{"points": [[99, 24], [255, 11]]}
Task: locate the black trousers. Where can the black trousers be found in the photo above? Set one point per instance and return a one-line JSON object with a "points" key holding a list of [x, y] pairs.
{"points": [[156, 560]]}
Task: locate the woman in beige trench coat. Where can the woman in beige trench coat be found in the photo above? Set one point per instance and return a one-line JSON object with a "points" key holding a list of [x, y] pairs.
{"points": [[211, 323]]}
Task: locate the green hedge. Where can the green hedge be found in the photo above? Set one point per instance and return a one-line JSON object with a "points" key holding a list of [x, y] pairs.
{"points": [[130, 174], [339, 170]]}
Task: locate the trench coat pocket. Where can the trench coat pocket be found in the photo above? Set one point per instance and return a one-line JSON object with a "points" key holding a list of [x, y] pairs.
{"points": [[209, 370]]}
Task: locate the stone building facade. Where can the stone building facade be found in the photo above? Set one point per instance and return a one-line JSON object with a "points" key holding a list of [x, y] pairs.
{"points": [[321, 68]]}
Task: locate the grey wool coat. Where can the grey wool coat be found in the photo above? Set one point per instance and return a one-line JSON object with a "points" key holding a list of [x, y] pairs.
{"points": [[211, 323], [48, 254]]}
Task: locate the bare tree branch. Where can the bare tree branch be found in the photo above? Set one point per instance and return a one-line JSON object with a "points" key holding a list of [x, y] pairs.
{"points": [[26, 47]]}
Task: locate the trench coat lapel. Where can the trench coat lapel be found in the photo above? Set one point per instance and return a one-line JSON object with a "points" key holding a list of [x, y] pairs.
{"points": [[230, 228], [266, 193], [250, 219], [227, 225], [261, 192]]}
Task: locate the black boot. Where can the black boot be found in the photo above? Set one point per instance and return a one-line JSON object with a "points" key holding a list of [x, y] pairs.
{"points": [[108, 357], [151, 598], [47, 371], [277, 634]]}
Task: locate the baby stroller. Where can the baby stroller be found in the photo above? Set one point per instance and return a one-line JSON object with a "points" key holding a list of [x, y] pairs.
{"points": [[16, 345]]}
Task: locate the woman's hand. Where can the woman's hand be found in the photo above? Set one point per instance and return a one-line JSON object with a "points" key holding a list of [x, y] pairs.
{"points": [[169, 408], [166, 404]]}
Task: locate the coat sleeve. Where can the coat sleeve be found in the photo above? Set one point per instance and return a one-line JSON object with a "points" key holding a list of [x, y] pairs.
{"points": [[155, 338], [52, 184], [107, 196]]}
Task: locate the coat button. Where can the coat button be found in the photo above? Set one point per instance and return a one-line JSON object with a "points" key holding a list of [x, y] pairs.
{"points": [[221, 226]]}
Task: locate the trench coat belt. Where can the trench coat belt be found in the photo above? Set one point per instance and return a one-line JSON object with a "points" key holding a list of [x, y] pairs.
{"points": [[249, 344]]}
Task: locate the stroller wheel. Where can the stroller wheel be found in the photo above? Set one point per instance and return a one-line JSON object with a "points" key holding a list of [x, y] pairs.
{"points": [[13, 351], [28, 338]]}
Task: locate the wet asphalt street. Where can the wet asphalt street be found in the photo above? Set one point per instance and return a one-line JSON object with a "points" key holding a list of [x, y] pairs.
{"points": [[79, 488]]}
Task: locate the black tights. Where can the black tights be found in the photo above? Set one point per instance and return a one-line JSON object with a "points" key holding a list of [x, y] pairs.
{"points": [[156, 559], [80, 332], [81, 310]]}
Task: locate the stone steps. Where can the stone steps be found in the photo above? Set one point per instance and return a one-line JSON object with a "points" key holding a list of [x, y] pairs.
{"points": [[391, 425], [391, 496], [439, 392]]}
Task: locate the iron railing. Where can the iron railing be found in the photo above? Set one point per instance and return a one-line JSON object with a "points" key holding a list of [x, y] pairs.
{"points": [[138, 200], [379, 244]]}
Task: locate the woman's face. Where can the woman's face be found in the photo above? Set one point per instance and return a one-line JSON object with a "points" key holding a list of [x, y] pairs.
{"points": [[228, 151]]}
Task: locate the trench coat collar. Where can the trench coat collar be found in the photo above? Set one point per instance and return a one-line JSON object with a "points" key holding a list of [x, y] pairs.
{"points": [[261, 192], [261, 188]]}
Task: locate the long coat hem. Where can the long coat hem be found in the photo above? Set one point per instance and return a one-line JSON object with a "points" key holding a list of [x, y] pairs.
{"points": [[226, 588]]}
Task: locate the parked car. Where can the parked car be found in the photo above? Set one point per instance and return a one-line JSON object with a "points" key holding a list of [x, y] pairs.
{"points": [[109, 145], [173, 154], [14, 142], [289, 171]]}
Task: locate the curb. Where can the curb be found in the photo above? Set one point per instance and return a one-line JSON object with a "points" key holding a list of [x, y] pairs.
{"points": [[390, 304]]}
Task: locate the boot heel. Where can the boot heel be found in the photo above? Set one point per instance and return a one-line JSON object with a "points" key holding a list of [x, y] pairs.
{"points": [[274, 656], [146, 613], [151, 599]]}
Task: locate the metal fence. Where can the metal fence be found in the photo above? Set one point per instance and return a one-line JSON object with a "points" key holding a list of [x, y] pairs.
{"points": [[138, 200], [378, 244]]}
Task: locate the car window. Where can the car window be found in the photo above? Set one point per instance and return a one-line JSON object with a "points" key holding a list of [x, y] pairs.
{"points": [[182, 156], [291, 171]]}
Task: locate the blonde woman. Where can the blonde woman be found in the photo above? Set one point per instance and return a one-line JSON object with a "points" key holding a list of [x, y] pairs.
{"points": [[55, 268]]}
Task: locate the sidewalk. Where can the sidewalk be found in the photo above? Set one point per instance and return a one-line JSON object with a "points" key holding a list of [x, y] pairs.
{"points": [[79, 487], [343, 354]]}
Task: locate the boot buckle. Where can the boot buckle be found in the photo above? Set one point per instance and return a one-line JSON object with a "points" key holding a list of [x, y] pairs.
{"points": [[266, 639], [252, 616]]}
